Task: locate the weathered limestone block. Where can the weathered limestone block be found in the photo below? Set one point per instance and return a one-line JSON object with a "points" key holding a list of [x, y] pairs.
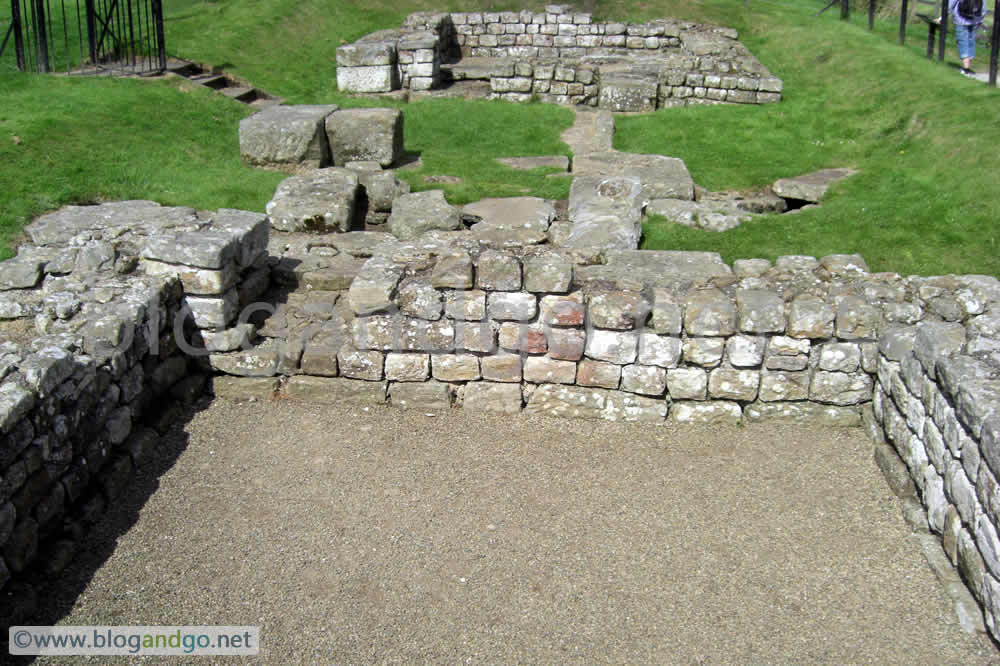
{"points": [[361, 135], [501, 368], [896, 342], [286, 135], [660, 350], [760, 311], [430, 395], [667, 315], [715, 411], [419, 299], [526, 338], [361, 364], [703, 351], [810, 317], [419, 212], [709, 312], [743, 351], [243, 388], [811, 187], [454, 271], [492, 397], [620, 347], [598, 374], [367, 67], [644, 379], [839, 357], [204, 249], [480, 336], [455, 367], [784, 385], [407, 367], [840, 388], [935, 340], [618, 310], [786, 353], [511, 306], [20, 274], [567, 401], [498, 271], [213, 312], [566, 344], [336, 390], [732, 384], [374, 289], [857, 319], [542, 370], [562, 310], [465, 305], [529, 213], [628, 92], [259, 361], [381, 188], [660, 177], [319, 201], [631, 408], [805, 413], [605, 212], [687, 383], [548, 272], [196, 281]]}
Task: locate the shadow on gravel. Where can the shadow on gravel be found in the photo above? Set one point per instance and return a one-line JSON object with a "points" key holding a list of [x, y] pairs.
{"points": [[43, 599]]}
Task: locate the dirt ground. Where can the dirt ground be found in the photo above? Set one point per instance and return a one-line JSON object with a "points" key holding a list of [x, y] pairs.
{"points": [[353, 535]]}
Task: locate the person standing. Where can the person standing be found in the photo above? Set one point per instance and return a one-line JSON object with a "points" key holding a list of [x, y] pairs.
{"points": [[967, 16]]}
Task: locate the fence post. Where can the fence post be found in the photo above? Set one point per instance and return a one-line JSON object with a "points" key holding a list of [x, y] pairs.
{"points": [[15, 17], [904, 15], [943, 34], [161, 45], [42, 27], [871, 14], [845, 9], [91, 12], [994, 44]]}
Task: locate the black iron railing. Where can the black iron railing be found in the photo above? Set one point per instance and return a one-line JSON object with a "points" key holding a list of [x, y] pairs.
{"points": [[87, 36]]}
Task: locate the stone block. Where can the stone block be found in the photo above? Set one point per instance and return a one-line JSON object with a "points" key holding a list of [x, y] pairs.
{"points": [[784, 385], [336, 391], [709, 312], [714, 412], [407, 367], [374, 135], [511, 306], [732, 384], [492, 397], [743, 351], [660, 350], [418, 212], [703, 351], [242, 388], [687, 384], [526, 338], [501, 368], [454, 271], [857, 319], [805, 413], [476, 336], [369, 79], [498, 271], [619, 347], [645, 379], [567, 344], [631, 408], [598, 374], [286, 135], [550, 273], [542, 370], [360, 364], [839, 357], [562, 310], [455, 367], [465, 305], [319, 201], [430, 395], [618, 310], [840, 388], [567, 401], [760, 311]]}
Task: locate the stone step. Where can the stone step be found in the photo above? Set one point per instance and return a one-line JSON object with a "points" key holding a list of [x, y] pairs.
{"points": [[240, 93], [214, 81]]}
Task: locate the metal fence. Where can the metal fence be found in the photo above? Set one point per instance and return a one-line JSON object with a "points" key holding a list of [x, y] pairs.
{"points": [[86, 36], [938, 31]]}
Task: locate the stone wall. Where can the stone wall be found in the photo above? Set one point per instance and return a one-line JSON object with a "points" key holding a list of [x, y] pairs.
{"points": [[936, 400], [619, 66], [111, 296], [126, 308]]}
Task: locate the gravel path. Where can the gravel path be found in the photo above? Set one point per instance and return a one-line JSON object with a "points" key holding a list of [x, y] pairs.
{"points": [[384, 535]]}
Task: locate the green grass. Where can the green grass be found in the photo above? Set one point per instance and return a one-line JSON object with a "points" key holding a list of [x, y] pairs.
{"points": [[923, 138]]}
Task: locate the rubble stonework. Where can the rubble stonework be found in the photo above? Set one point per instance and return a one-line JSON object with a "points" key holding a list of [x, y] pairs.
{"points": [[124, 305], [561, 56]]}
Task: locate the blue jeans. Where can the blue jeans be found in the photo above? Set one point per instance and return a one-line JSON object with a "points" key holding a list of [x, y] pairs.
{"points": [[966, 36]]}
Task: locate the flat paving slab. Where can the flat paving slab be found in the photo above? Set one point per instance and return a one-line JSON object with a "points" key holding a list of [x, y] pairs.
{"points": [[379, 534]]}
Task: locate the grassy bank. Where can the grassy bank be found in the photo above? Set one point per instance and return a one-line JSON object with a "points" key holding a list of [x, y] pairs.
{"points": [[922, 136]]}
